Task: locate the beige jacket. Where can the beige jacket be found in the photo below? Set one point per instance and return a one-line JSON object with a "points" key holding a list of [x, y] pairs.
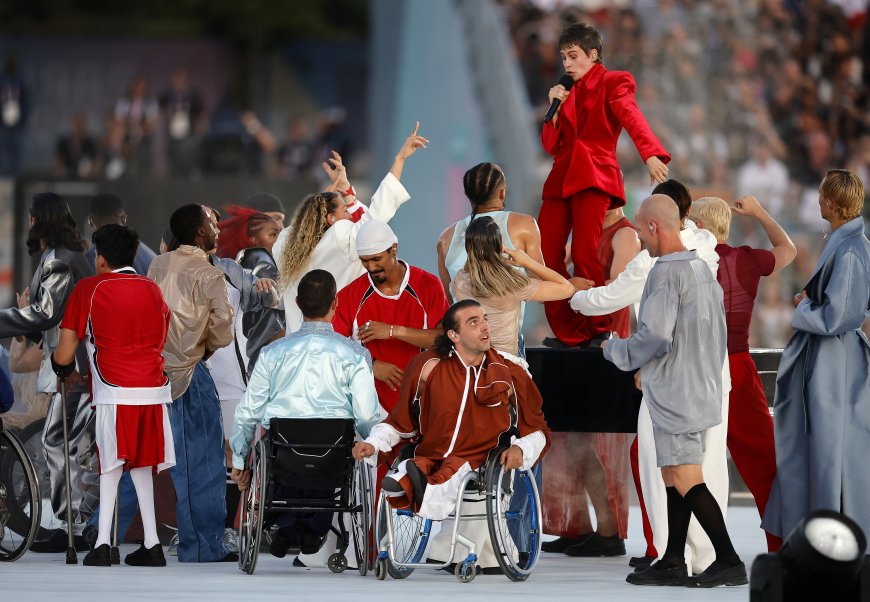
{"points": [[202, 317]]}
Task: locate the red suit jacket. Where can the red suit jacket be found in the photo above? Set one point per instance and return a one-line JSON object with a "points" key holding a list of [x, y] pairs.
{"points": [[584, 144]]}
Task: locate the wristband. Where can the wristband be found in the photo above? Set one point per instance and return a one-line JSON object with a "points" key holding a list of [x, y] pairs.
{"points": [[349, 192], [62, 371], [391, 331]]}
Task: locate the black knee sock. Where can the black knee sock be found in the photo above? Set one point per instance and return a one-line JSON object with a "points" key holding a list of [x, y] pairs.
{"points": [[679, 515], [703, 505], [233, 496]]}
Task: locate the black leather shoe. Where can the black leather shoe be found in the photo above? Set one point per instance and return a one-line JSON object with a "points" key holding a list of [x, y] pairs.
{"points": [[56, 543], [660, 573], [720, 573], [641, 562], [99, 556], [558, 546], [311, 542], [152, 556], [279, 546], [554, 343], [596, 545], [418, 481], [231, 557]]}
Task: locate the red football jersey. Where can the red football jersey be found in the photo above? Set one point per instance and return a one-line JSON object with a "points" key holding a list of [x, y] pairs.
{"points": [[421, 303], [123, 320]]}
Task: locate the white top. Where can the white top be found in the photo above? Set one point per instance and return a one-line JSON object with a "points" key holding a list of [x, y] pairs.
{"points": [[627, 288], [336, 251], [224, 363]]}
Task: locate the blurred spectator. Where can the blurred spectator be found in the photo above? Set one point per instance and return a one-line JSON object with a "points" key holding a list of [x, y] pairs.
{"points": [[77, 155], [183, 111], [13, 116], [295, 155], [331, 137], [771, 326], [764, 177], [136, 115], [236, 142]]}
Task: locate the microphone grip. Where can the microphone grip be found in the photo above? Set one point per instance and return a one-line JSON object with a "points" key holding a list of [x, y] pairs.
{"points": [[551, 112]]}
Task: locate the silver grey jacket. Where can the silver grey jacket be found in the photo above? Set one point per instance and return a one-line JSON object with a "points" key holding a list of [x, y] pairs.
{"points": [[260, 325], [56, 275]]}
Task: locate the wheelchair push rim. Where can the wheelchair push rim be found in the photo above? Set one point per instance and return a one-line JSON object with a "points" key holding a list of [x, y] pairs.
{"points": [[361, 519], [502, 521], [253, 510]]}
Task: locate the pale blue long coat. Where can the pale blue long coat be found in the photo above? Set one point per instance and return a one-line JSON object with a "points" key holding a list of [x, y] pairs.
{"points": [[822, 403]]}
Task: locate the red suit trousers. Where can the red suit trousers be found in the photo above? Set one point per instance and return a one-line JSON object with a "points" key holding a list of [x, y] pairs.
{"points": [[582, 217], [750, 433]]}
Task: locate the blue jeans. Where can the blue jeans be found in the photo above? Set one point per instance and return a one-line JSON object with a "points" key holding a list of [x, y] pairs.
{"points": [[128, 506], [200, 473]]}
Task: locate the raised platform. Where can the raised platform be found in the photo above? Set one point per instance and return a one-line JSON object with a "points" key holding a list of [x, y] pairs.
{"points": [[583, 392]]}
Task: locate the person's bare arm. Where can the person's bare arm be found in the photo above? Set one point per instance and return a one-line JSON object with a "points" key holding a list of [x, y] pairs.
{"points": [[783, 249], [626, 245], [553, 286], [418, 337], [526, 235], [443, 274], [410, 146]]}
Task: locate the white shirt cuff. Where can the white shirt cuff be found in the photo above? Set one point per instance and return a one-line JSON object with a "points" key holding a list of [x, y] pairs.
{"points": [[532, 445]]}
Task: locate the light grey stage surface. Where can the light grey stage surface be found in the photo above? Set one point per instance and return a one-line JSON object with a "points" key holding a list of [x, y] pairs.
{"points": [[45, 577]]}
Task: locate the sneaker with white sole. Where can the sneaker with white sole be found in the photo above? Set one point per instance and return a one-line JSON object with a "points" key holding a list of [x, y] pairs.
{"points": [[231, 539]]}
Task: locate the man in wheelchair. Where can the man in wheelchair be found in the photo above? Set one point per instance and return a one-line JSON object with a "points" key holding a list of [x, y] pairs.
{"points": [[458, 400], [311, 373]]}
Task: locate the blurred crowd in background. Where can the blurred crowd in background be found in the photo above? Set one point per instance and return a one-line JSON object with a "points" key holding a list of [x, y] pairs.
{"points": [[170, 131], [748, 96]]}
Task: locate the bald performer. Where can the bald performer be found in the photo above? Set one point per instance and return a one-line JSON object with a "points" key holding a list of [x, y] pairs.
{"points": [[679, 347]]}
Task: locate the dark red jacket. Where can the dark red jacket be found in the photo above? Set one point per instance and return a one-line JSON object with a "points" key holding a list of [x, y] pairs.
{"points": [[584, 144]]}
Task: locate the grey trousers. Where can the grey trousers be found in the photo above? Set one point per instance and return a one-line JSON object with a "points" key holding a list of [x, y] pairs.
{"points": [[78, 413]]}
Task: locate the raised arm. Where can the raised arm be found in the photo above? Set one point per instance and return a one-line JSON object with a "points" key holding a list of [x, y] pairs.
{"points": [[409, 147], [553, 287], [783, 249]]}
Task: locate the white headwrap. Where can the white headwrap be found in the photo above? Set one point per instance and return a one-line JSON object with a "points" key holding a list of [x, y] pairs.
{"points": [[375, 236]]}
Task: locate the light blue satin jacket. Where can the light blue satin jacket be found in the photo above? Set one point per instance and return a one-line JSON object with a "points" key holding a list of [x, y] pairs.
{"points": [[312, 373]]}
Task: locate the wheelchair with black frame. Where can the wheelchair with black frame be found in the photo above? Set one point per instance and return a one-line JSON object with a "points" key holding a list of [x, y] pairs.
{"points": [[20, 499], [512, 512], [312, 454]]}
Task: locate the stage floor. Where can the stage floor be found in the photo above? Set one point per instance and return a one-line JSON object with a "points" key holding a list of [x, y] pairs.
{"points": [[38, 577]]}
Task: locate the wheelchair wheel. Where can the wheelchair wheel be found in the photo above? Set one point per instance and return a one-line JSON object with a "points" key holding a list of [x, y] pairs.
{"points": [[363, 501], [20, 501], [513, 515], [253, 509], [411, 537]]}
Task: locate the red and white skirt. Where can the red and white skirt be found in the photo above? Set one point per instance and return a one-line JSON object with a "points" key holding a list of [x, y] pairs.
{"points": [[134, 436]]}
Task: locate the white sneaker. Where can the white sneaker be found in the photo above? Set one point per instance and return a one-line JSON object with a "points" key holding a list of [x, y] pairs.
{"points": [[231, 540]]}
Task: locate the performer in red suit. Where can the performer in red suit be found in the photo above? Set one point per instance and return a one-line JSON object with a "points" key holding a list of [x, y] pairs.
{"points": [[586, 180]]}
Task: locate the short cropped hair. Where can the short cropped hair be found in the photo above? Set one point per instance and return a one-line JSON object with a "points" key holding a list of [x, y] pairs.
{"points": [[714, 214], [845, 191], [584, 36], [677, 191], [315, 293], [116, 244], [107, 205], [186, 222]]}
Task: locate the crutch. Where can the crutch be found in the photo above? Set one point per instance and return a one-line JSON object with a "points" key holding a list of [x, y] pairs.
{"points": [[71, 557], [114, 552]]}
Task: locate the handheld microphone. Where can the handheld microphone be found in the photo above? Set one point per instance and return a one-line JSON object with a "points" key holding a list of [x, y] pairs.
{"points": [[566, 81]]}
